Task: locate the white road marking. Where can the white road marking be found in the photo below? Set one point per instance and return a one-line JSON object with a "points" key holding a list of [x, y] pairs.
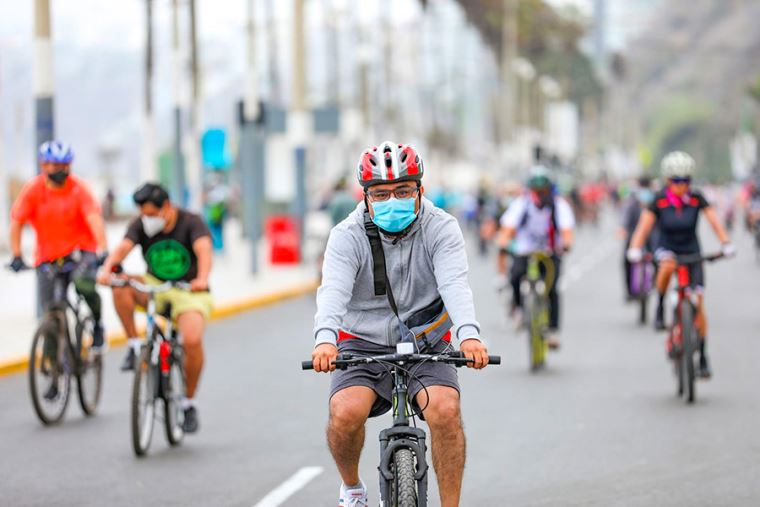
{"points": [[285, 490], [576, 271]]}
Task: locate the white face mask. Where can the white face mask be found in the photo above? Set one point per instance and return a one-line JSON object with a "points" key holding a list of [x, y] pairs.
{"points": [[153, 225]]}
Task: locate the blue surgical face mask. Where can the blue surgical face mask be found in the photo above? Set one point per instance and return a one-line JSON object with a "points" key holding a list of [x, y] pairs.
{"points": [[394, 215], [645, 196]]}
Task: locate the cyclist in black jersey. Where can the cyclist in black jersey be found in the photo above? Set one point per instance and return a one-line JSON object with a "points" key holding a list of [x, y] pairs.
{"points": [[676, 211]]}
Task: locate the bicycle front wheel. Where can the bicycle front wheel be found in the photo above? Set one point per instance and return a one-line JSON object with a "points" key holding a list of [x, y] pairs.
{"points": [[143, 403], [404, 486], [174, 391], [688, 337], [49, 372], [89, 368]]}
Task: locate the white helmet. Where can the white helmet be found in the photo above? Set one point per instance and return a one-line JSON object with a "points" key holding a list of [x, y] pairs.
{"points": [[677, 164]]}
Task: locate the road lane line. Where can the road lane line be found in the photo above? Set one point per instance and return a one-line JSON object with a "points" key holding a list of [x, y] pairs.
{"points": [[285, 490]]}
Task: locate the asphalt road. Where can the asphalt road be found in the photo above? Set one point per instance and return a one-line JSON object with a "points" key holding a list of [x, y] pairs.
{"points": [[600, 426]]}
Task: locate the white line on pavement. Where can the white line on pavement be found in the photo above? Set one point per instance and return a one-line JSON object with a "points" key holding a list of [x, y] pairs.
{"points": [[587, 263], [288, 488]]}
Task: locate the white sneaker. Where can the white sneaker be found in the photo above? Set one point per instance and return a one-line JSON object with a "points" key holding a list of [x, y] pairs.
{"points": [[355, 497]]}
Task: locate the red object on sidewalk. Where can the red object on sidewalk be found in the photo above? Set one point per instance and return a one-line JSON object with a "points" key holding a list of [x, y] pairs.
{"points": [[283, 238]]}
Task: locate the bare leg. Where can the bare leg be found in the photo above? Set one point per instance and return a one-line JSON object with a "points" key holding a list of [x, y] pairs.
{"points": [[191, 326], [664, 273], [125, 299], [445, 421], [349, 409]]}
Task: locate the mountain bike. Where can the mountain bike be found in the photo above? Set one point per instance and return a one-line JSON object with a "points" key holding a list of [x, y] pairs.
{"points": [[535, 288], [62, 349], [642, 282], [683, 340], [159, 372], [403, 466]]}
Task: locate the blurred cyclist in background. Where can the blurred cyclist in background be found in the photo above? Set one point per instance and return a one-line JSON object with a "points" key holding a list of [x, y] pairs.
{"points": [[640, 199], [539, 221], [676, 211], [176, 246], [68, 223]]}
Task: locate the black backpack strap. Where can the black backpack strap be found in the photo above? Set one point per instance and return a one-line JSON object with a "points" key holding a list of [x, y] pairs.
{"points": [[382, 285]]}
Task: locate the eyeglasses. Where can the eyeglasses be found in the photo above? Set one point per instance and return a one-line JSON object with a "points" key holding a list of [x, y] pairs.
{"points": [[678, 181], [398, 193]]}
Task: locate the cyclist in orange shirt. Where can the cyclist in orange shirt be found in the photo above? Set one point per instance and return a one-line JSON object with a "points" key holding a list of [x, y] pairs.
{"points": [[69, 226]]}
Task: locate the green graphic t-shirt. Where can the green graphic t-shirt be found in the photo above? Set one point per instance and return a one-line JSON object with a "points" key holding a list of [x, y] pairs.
{"points": [[169, 255]]}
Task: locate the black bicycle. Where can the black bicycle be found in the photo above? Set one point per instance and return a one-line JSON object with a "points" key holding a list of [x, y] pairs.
{"points": [[62, 349], [159, 372], [403, 466], [683, 340]]}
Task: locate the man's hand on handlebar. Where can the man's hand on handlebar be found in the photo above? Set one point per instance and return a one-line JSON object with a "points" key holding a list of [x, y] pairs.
{"points": [[474, 349], [198, 285], [18, 264], [323, 356]]}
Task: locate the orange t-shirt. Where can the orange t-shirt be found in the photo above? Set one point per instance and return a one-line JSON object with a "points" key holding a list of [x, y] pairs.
{"points": [[58, 216]]}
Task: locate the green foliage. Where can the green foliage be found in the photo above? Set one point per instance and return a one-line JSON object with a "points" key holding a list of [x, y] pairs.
{"points": [[754, 90], [548, 38]]}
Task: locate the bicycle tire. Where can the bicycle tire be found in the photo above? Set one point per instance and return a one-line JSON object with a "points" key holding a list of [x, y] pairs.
{"points": [[404, 485], [643, 302], [174, 390], [48, 412], [687, 354], [142, 421], [89, 366]]}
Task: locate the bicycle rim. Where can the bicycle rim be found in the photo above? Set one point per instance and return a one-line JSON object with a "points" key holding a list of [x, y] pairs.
{"points": [[47, 371], [90, 369], [174, 390], [404, 484], [143, 404]]}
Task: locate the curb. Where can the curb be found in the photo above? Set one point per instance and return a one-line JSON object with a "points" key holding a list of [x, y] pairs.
{"points": [[118, 338]]}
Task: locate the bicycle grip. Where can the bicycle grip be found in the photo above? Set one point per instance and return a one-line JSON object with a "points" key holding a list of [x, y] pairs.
{"points": [[307, 365], [494, 359]]}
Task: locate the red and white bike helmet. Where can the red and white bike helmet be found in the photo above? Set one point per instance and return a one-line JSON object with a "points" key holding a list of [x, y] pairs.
{"points": [[389, 163]]}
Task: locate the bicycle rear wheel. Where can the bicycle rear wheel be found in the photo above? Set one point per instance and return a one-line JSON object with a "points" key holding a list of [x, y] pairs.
{"points": [[49, 372], [143, 403], [173, 392], [89, 368], [689, 341], [404, 485]]}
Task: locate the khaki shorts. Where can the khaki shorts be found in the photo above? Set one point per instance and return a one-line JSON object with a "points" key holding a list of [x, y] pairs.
{"points": [[182, 301]]}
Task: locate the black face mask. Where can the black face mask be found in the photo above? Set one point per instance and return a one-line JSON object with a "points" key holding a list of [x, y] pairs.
{"points": [[58, 177], [545, 199]]}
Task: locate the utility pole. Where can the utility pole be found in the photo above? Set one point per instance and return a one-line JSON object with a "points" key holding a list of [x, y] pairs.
{"points": [[3, 175], [148, 162], [178, 179], [508, 53], [251, 161], [43, 76], [298, 123], [273, 52], [193, 150]]}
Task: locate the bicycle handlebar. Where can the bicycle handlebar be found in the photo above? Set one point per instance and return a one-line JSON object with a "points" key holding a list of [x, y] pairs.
{"points": [[346, 360], [697, 258], [149, 289]]}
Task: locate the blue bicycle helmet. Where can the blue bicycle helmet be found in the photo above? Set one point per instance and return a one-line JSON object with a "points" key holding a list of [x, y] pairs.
{"points": [[56, 152]]}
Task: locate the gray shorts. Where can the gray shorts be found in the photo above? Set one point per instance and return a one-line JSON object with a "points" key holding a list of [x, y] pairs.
{"points": [[378, 378]]}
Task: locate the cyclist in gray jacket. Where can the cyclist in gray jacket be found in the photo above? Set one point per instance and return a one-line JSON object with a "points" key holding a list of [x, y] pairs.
{"points": [[422, 295]]}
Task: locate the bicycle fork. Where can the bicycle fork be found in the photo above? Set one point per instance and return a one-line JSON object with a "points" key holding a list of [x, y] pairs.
{"points": [[391, 440]]}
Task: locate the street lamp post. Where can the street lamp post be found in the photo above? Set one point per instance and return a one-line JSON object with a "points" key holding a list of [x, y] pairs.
{"points": [[43, 75], [298, 123]]}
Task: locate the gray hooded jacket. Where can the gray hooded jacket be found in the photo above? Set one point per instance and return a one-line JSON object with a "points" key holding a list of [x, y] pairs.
{"points": [[429, 264]]}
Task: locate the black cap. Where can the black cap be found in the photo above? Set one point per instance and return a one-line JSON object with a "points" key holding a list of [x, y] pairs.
{"points": [[150, 193]]}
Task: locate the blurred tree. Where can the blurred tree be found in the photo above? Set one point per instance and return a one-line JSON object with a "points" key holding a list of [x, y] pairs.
{"points": [[548, 38]]}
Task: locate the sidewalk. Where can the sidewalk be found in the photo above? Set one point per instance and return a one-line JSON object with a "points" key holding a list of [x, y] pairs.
{"points": [[233, 286]]}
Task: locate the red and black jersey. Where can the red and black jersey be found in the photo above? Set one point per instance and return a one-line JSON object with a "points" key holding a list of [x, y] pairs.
{"points": [[678, 218]]}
